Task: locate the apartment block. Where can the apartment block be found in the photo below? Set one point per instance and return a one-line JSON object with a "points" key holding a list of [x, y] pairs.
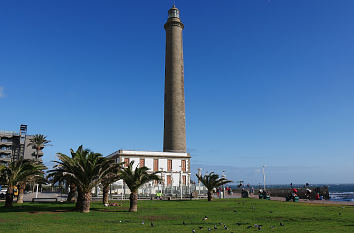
{"points": [[14, 146]]}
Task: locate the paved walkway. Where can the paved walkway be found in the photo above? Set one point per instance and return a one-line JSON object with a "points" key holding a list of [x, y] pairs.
{"points": [[350, 203], [29, 196]]}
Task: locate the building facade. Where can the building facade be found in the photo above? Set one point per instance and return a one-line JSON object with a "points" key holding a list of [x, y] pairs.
{"points": [[174, 168], [14, 146]]}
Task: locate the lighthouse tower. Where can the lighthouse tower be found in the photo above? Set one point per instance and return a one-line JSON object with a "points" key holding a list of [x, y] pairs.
{"points": [[174, 111]]}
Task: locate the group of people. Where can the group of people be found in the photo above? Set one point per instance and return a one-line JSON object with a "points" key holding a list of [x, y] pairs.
{"points": [[263, 194], [220, 191], [308, 193]]}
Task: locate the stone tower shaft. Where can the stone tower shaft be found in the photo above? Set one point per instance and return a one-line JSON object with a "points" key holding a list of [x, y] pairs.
{"points": [[174, 108]]}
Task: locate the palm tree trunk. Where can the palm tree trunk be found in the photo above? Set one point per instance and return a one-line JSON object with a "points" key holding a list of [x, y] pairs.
{"points": [[86, 202], [71, 194], [209, 196], [105, 193], [133, 202], [9, 197], [21, 191], [79, 200]]}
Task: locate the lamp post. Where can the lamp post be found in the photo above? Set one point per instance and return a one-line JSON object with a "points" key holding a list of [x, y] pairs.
{"points": [[223, 186], [180, 184], [199, 174], [162, 180], [264, 178]]}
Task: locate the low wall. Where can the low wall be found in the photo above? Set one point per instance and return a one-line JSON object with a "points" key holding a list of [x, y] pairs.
{"points": [[284, 192]]}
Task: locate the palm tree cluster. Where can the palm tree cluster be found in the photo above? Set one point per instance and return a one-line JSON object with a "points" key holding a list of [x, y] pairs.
{"points": [[18, 173], [212, 181], [85, 169]]}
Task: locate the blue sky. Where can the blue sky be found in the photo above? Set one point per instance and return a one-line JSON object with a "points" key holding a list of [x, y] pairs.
{"points": [[267, 82]]}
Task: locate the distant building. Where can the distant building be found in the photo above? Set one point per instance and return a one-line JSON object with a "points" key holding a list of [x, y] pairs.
{"points": [[14, 146]]}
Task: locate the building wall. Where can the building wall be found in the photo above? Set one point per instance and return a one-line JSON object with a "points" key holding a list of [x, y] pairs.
{"points": [[176, 173], [9, 141]]}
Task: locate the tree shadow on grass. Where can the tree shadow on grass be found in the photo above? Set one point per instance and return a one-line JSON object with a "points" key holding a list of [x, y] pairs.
{"points": [[109, 210], [39, 207]]}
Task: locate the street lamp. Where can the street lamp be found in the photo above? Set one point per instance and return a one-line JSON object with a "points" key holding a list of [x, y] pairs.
{"points": [[162, 180], [223, 186], [264, 178], [180, 183], [199, 175]]}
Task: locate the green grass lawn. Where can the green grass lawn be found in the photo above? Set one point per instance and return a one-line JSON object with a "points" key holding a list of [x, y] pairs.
{"points": [[168, 216]]}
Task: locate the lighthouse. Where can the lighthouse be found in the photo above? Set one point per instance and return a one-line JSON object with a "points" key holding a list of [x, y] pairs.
{"points": [[174, 106]]}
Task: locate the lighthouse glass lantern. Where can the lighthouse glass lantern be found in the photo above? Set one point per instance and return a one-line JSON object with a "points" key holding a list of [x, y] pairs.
{"points": [[173, 13]]}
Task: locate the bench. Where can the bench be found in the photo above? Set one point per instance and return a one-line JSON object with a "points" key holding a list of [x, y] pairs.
{"points": [[44, 199]]}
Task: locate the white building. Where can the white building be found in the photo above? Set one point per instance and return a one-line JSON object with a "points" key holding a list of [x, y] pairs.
{"points": [[174, 168]]}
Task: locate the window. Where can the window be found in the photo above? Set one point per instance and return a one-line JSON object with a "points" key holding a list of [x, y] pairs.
{"points": [[184, 180], [169, 165], [169, 180], [156, 165], [126, 162], [142, 162], [183, 165]]}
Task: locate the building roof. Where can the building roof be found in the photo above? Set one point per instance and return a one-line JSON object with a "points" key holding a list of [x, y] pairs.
{"points": [[148, 154]]}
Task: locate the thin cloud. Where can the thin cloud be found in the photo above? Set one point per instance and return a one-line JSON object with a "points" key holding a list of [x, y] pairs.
{"points": [[2, 92]]}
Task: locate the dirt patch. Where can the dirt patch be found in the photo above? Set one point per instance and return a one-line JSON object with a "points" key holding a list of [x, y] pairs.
{"points": [[3, 220]]}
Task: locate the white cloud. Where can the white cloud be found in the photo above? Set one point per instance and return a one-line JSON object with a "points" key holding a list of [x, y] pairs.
{"points": [[1, 92]]}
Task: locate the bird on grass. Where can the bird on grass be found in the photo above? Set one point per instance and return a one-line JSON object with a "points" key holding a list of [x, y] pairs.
{"points": [[225, 227], [152, 224], [209, 229], [281, 224], [143, 222], [249, 227], [205, 218], [215, 227], [272, 227], [183, 223], [193, 231], [235, 211], [200, 228]]}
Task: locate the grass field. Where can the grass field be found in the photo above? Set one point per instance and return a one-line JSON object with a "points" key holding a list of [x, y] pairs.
{"points": [[168, 216]]}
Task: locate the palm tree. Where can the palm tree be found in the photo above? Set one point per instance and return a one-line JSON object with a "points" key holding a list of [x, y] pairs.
{"points": [[86, 170], [17, 173], [109, 179], [135, 179], [106, 181], [58, 177], [22, 185], [211, 181], [38, 142]]}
